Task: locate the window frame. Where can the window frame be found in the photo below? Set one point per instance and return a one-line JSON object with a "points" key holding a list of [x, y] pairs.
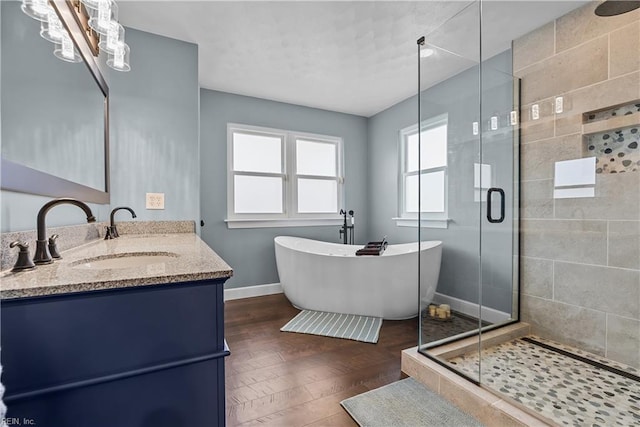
{"points": [[232, 173], [295, 176], [427, 219], [289, 215]]}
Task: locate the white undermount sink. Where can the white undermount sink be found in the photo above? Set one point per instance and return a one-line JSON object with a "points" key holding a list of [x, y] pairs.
{"points": [[124, 260]]}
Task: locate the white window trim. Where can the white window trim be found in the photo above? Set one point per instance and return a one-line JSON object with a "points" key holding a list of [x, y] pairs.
{"points": [[289, 216], [231, 128], [424, 223], [288, 222], [293, 188], [426, 219]]}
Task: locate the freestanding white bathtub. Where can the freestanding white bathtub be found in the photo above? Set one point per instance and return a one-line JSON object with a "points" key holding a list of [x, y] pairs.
{"points": [[330, 277]]}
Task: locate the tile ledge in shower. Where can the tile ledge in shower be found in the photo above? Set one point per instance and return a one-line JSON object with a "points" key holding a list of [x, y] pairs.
{"points": [[610, 124], [489, 339]]}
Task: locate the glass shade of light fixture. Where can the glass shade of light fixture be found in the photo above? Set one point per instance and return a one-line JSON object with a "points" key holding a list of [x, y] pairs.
{"points": [[66, 50], [36, 9], [114, 38], [100, 19], [91, 4], [52, 29], [119, 60]]}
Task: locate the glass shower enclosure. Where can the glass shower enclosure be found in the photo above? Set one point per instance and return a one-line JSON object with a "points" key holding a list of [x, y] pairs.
{"points": [[468, 197], [537, 208]]}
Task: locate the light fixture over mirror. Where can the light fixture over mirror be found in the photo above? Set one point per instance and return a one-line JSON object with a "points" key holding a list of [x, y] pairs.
{"points": [[98, 18], [36, 9], [114, 38], [66, 50], [119, 60], [101, 15], [52, 29]]}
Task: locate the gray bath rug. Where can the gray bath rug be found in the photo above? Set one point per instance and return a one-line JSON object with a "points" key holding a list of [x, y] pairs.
{"points": [[348, 326], [405, 403]]}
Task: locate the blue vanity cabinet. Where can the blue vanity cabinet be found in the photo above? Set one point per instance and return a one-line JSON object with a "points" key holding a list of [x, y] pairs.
{"points": [[148, 356]]}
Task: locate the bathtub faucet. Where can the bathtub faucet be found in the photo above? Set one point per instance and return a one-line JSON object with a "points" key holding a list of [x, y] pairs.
{"points": [[347, 231]]}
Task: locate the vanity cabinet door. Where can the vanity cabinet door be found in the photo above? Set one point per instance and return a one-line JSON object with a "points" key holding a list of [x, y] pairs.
{"points": [[175, 397], [125, 357]]}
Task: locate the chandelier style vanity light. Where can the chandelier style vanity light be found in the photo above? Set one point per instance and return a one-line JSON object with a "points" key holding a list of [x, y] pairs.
{"points": [[98, 19]]}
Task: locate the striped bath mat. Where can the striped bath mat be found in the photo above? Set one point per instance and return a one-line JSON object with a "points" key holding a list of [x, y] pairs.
{"points": [[348, 326]]}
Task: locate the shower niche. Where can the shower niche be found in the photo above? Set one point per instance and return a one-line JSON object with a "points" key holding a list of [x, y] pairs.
{"points": [[612, 136]]}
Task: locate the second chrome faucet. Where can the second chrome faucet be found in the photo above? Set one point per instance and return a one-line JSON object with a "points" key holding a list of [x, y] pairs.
{"points": [[112, 230]]}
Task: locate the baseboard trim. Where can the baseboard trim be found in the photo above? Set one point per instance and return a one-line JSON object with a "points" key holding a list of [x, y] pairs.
{"points": [[491, 315], [252, 291], [469, 308]]}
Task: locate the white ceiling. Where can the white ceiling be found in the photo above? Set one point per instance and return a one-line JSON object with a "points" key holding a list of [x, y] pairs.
{"points": [[357, 57]]}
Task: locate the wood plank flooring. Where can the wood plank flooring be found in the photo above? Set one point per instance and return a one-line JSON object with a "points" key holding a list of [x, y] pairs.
{"points": [[287, 379]]}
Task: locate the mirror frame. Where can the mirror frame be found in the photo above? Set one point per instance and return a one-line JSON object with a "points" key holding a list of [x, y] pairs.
{"points": [[23, 179]]}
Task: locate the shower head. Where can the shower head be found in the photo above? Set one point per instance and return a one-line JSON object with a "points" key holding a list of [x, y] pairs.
{"points": [[616, 7]]}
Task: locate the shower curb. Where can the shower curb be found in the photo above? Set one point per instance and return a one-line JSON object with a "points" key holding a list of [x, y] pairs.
{"points": [[478, 401]]}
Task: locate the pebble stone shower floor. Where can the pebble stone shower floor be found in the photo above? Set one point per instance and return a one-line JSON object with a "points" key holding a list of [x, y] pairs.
{"points": [[560, 388]]}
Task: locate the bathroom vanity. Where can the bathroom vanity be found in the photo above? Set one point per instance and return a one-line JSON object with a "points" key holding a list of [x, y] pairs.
{"points": [[123, 332]]}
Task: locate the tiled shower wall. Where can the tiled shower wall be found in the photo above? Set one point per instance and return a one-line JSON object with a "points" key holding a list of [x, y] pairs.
{"points": [[580, 257]]}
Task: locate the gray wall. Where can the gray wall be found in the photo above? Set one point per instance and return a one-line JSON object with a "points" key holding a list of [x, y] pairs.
{"points": [[459, 97], [384, 142], [250, 251], [154, 127], [154, 138]]}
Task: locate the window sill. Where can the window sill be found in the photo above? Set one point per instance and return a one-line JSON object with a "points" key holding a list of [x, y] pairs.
{"points": [[424, 223], [282, 222]]}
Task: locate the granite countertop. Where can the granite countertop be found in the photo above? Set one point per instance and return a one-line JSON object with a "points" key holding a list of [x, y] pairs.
{"points": [[188, 259]]}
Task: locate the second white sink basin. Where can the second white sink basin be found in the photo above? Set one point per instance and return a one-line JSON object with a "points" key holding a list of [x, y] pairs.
{"points": [[124, 260]]}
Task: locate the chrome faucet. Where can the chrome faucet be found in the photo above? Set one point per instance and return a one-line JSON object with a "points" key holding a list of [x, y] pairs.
{"points": [[112, 231], [42, 255]]}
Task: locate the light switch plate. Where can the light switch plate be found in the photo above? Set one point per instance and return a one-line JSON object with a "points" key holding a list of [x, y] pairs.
{"points": [[155, 200]]}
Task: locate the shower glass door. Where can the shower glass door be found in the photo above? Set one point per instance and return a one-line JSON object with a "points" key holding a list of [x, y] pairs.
{"points": [[468, 200], [498, 182]]}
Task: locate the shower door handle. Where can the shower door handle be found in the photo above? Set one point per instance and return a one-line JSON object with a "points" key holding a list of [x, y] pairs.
{"points": [[490, 218]]}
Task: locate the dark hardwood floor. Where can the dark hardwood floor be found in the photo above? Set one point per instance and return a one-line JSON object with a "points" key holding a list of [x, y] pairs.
{"points": [[287, 379]]}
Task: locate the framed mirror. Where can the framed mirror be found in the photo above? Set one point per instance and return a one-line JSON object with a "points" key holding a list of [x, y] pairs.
{"points": [[55, 114]]}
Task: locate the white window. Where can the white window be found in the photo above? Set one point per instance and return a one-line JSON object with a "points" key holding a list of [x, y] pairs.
{"points": [[282, 178], [481, 181], [426, 162]]}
